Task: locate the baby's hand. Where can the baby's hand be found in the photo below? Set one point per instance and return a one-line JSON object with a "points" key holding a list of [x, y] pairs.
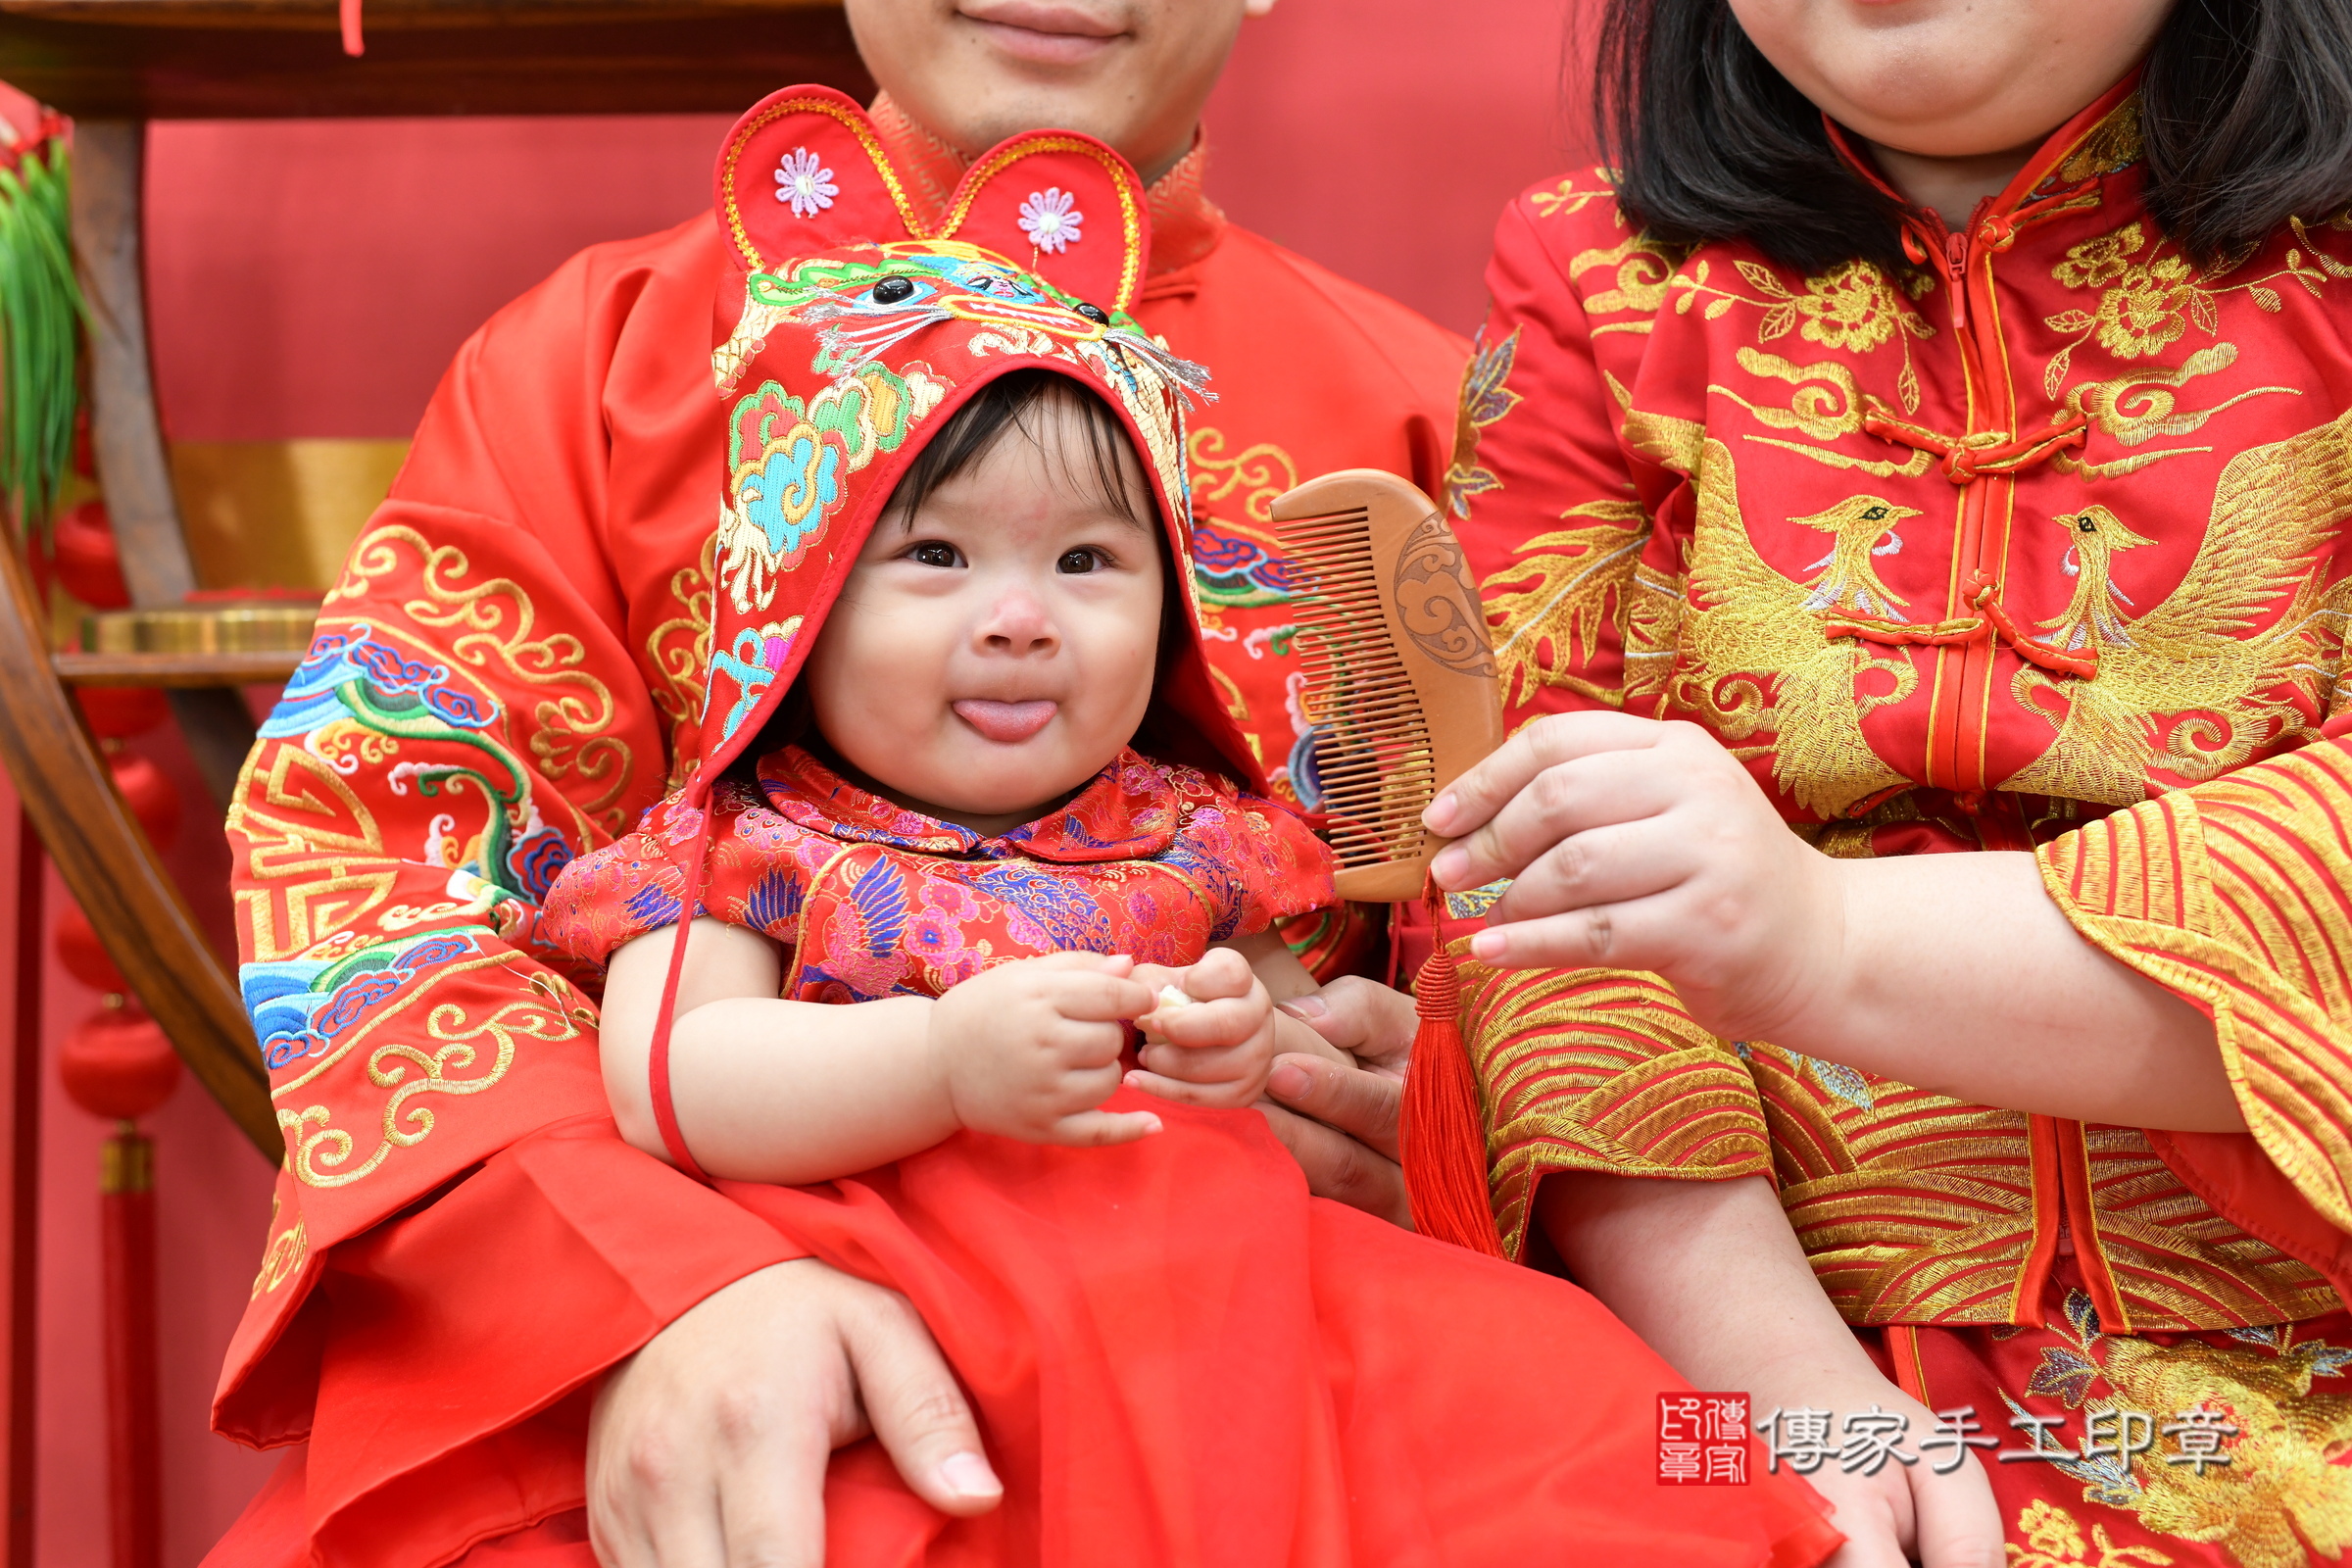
{"points": [[1028, 1050], [1211, 1040]]}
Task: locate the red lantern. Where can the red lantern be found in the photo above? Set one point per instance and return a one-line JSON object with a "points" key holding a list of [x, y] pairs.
{"points": [[117, 1063], [117, 712], [149, 795], [88, 562], [84, 955]]}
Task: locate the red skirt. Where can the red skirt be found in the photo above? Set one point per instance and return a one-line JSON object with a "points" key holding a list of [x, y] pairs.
{"points": [[1178, 1358]]}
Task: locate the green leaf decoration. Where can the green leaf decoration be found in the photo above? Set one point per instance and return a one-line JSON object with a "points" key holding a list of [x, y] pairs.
{"points": [[41, 315]]}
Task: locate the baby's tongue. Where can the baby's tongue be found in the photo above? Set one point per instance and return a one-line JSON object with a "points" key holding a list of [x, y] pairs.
{"points": [[1007, 723]]}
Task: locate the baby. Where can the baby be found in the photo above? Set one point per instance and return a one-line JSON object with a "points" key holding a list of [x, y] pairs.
{"points": [[990, 657]]}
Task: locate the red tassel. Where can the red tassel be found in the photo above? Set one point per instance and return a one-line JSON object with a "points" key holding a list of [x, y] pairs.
{"points": [[656, 1063], [1442, 1135], [353, 43]]}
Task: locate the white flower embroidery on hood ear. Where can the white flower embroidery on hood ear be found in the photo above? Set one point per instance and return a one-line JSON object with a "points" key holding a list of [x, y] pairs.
{"points": [[1050, 220]]}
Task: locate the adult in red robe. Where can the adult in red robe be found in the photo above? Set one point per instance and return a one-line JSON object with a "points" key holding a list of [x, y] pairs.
{"points": [[460, 1248]]}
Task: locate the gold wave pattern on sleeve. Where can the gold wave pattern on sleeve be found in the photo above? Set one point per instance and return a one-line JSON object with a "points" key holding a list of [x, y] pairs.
{"points": [[2234, 895], [1912, 1207], [1600, 1070], [1918, 1208]]}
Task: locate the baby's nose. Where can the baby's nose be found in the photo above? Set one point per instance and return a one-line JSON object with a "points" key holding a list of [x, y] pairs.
{"points": [[1018, 624]]}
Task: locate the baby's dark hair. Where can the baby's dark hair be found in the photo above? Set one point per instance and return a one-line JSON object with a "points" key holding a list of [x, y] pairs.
{"points": [[1011, 404]]}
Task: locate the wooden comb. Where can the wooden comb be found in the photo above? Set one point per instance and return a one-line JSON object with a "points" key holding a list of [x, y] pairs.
{"points": [[1399, 674]]}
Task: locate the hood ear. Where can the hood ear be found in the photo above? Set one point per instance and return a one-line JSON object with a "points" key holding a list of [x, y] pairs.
{"points": [[803, 171], [1061, 205]]}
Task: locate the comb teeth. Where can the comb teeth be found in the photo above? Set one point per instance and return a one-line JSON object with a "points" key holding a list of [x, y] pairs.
{"points": [[1374, 760]]}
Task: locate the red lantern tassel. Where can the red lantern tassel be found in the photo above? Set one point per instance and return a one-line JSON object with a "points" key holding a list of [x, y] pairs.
{"points": [[1442, 1135], [134, 1439], [353, 43]]}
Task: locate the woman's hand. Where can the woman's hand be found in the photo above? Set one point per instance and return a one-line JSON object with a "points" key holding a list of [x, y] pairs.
{"points": [[1638, 845], [1339, 1122], [707, 1449], [1903, 1513], [1712, 1278]]}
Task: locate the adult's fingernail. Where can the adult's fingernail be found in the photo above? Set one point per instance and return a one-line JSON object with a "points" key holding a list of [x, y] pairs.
{"points": [[1288, 1082], [1304, 1007], [1440, 813], [967, 1474], [1489, 946], [1451, 863]]}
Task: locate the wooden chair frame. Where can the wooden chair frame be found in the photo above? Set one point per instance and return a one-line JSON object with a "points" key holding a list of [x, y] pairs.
{"points": [[115, 65]]}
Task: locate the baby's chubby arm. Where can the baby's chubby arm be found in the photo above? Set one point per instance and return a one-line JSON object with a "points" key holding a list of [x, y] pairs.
{"points": [[1216, 1044], [775, 1091]]}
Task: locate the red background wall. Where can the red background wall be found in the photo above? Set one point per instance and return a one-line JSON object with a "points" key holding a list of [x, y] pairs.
{"points": [[312, 278]]}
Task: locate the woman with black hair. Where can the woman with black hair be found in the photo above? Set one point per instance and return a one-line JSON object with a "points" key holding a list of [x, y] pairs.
{"points": [[1944, 411]]}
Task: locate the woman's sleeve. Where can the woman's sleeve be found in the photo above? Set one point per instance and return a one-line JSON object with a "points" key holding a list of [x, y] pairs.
{"points": [[2236, 897], [1556, 497], [468, 719]]}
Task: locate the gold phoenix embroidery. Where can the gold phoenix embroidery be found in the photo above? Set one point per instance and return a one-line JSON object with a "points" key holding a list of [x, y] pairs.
{"points": [[2195, 658], [1755, 657]]}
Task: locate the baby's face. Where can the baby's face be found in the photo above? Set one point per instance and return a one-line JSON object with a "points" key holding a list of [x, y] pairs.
{"points": [[995, 650]]}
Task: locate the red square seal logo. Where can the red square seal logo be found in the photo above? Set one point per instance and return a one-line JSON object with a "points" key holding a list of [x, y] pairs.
{"points": [[1702, 1439]]}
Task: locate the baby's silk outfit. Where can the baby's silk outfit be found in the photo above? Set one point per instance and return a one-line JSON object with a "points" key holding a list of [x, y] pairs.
{"points": [[1166, 1341]]}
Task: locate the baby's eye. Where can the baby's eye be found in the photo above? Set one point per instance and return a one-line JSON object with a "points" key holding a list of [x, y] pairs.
{"points": [[1084, 558], [935, 553]]}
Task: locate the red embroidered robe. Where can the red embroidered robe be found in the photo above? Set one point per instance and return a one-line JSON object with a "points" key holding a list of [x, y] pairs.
{"points": [[2040, 546], [544, 543]]}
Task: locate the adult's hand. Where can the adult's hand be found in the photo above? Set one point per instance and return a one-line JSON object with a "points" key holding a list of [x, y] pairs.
{"points": [[1339, 1122], [1639, 844], [707, 1449]]}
